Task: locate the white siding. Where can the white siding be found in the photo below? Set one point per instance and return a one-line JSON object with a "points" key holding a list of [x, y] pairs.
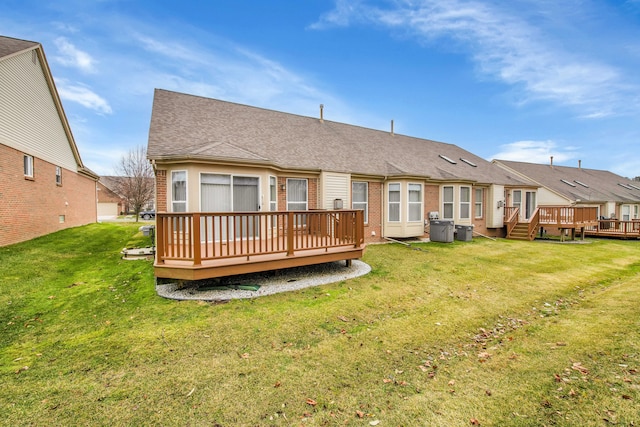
{"points": [[29, 120], [494, 207], [549, 198], [335, 186]]}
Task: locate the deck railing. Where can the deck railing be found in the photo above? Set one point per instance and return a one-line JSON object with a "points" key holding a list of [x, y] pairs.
{"points": [[567, 216], [202, 236], [511, 218], [617, 228]]}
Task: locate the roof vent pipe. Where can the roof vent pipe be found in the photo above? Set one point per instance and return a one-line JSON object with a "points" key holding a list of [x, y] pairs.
{"points": [[391, 126], [551, 164], [321, 112], [579, 164]]}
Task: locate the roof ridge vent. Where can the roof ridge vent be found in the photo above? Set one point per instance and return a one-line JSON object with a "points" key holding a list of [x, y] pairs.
{"points": [[442, 156]]}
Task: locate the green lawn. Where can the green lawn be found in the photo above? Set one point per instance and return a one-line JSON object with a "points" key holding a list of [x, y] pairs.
{"points": [[490, 333]]}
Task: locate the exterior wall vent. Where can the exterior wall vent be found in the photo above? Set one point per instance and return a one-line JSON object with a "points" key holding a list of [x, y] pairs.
{"points": [[442, 156]]}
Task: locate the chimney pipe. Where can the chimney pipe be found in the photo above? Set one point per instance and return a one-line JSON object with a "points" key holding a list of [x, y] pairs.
{"points": [[391, 126], [551, 164], [580, 164], [321, 112]]}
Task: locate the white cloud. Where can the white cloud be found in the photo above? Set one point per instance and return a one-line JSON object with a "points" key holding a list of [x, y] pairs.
{"points": [[84, 96], [71, 56], [535, 152], [506, 47]]}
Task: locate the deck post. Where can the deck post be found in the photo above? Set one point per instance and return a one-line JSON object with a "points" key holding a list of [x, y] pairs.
{"points": [[197, 248], [160, 249], [359, 219], [290, 231]]}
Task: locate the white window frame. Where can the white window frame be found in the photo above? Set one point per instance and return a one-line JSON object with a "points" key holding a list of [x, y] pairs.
{"points": [[517, 203], [28, 166], [478, 204], [306, 202], [273, 193], [58, 175], [465, 205], [398, 203], [361, 205], [186, 190], [410, 203], [450, 203], [625, 213]]}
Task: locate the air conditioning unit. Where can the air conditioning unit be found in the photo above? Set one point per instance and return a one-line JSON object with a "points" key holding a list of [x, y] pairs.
{"points": [[434, 215]]}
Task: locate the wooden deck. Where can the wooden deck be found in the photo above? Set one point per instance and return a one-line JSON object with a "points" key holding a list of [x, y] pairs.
{"points": [[563, 218], [615, 228], [246, 242]]}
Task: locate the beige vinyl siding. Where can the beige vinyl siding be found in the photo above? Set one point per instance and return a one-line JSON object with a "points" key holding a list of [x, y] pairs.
{"points": [[29, 119], [335, 186]]}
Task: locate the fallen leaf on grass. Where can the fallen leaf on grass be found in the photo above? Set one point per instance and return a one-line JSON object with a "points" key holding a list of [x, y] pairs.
{"points": [[452, 382], [374, 422], [344, 319], [360, 414], [474, 422], [577, 366], [626, 397], [484, 355], [387, 380], [277, 384], [244, 355], [311, 402]]}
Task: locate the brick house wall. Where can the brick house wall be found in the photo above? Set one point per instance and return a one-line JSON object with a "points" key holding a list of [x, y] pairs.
{"points": [[375, 213], [31, 208], [161, 191], [312, 192]]}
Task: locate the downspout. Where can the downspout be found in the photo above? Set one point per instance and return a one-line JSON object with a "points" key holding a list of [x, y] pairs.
{"points": [[382, 216]]}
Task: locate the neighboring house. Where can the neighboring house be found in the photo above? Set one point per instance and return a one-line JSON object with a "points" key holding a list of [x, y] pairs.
{"points": [[264, 160], [110, 203], [44, 185], [111, 199], [614, 196]]}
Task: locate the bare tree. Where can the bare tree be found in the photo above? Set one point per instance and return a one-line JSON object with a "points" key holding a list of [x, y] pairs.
{"points": [[136, 182]]}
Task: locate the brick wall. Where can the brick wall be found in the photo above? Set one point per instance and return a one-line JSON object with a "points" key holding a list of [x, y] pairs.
{"points": [[312, 192], [161, 191], [34, 207], [375, 213]]}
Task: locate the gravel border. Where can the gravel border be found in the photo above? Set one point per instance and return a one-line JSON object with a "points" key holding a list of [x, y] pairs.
{"points": [[271, 282]]}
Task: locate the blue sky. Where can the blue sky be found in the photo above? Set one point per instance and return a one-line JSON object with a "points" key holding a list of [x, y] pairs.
{"points": [[518, 80]]}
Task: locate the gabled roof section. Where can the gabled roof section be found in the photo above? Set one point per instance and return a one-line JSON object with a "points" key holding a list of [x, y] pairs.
{"points": [[191, 127], [578, 184], [10, 47]]}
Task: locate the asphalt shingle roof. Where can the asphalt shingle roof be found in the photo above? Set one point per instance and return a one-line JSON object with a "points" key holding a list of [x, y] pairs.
{"points": [[580, 183], [192, 127], [10, 45]]}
